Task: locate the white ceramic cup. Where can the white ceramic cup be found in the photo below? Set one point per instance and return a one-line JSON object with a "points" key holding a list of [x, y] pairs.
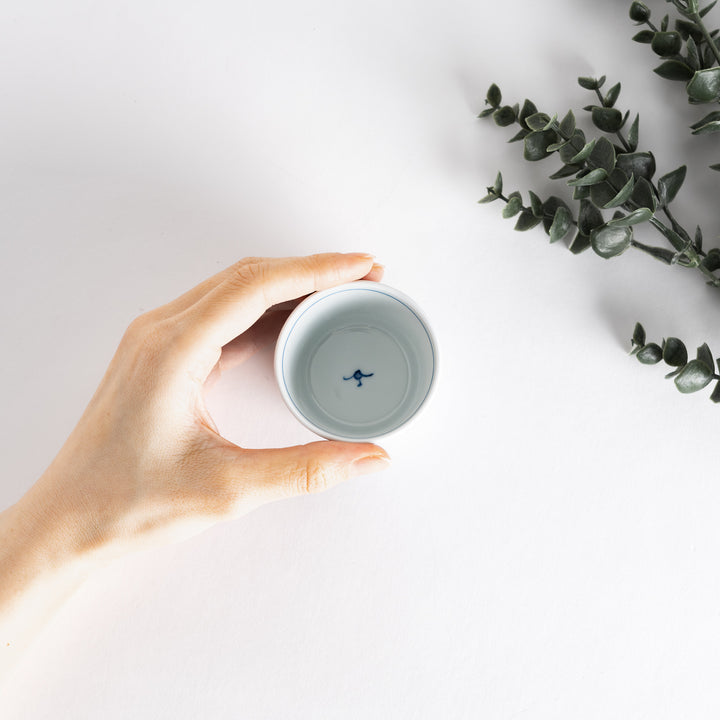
{"points": [[356, 362]]}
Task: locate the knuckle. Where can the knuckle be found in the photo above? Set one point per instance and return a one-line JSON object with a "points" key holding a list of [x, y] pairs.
{"points": [[147, 337], [313, 478], [249, 271]]}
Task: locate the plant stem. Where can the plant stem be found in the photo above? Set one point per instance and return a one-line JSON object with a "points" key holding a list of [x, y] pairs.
{"points": [[711, 43]]}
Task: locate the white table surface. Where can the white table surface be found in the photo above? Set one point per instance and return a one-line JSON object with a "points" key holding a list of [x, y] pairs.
{"points": [[546, 544]]}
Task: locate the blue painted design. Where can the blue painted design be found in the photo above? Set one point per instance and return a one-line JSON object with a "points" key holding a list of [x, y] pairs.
{"points": [[358, 375]]}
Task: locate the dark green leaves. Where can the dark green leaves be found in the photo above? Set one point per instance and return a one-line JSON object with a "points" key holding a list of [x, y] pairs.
{"points": [[504, 116], [610, 241], [537, 144], [591, 83], [689, 376], [668, 185], [666, 44], [705, 85], [607, 119], [494, 192], [494, 96], [693, 377], [592, 178], [561, 224], [674, 352], [639, 164], [650, 354], [639, 12], [709, 124], [674, 70]]}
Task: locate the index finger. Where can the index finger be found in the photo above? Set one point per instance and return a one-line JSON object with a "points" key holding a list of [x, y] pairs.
{"points": [[259, 283]]}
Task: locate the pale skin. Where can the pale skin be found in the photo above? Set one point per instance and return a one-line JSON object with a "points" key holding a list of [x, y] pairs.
{"points": [[146, 464]]}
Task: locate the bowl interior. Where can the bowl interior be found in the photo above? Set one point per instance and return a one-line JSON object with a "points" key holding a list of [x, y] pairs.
{"points": [[356, 362]]}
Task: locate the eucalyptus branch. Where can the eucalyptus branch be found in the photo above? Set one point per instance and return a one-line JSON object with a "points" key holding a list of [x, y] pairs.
{"points": [[606, 177], [614, 175], [689, 375], [689, 53]]}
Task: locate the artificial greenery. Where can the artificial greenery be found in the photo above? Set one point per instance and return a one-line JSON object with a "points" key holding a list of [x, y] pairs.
{"points": [[613, 180]]}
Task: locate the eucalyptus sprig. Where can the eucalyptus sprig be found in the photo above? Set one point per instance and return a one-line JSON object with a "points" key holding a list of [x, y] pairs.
{"points": [[689, 375], [689, 54], [605, 176]]}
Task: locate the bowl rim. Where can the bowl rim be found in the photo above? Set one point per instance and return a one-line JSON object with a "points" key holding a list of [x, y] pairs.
{"points": [[320, 295]]}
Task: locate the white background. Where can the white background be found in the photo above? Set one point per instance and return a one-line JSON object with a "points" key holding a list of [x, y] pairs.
{"points": [[546, 544]]}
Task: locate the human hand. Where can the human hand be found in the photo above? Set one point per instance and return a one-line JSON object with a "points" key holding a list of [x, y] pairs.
{"points": [[146, 462]]}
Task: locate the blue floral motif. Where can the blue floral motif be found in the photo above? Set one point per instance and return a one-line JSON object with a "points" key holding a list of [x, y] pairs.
{"points": [[358, 375]]}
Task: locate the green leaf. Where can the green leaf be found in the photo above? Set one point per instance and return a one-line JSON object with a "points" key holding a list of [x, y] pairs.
{"points": [[693, 377], [589, 218], [666, 44], [674, 70], [504, 116], [579, 243], [705, 356], [707, 9], [537, 143], [670, 184], [576, 144], [557, 146], [612, 95], [550, 207], [674, 352], [711, 127], [602, 193], [513, 207], [639, 12], [623, 194], [715, 167], [581, 193], [592, 178], [638, 164], [650, 354], [664, 23], [526, 221], [705, 85], [715, 397], [638, 337], [498, 186], [610, 241], [519, 135], [584, 154], [561, 224], [567, 126], [643, 194], [644, 36], [712, 260], [589, 83], [693, 56], [565, 171], [636, 216], [489, 197], [609, 120], [494, 96], [698, 239], [527, 110], [603, 155], [537, 121], [535, 204]]}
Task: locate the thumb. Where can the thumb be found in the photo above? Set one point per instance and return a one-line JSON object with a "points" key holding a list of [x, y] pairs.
{"points": [[285, 472]]}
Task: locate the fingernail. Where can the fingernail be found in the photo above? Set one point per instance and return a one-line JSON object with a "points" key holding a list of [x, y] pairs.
{"points": [[369, 464], [360, 256]]}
